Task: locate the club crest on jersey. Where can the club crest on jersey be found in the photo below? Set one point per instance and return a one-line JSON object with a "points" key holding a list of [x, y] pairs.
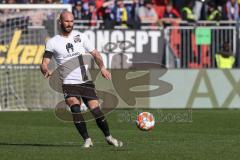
{"points": [[69, 47], [77, 38]]}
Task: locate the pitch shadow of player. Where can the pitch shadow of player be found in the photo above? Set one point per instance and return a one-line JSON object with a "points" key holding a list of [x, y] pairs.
{"points": [[124, 82], [37, 145]]}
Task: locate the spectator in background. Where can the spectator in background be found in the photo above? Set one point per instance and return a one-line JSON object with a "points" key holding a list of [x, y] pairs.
{"points": [[147, 14], [85, 6], [108, 16], [100, 11], [159, 8], [231, 10], [170, 16], [129, 5], [92, 14], [225, 58], [171, 12], [187, 12], [137, 4], [197, 9], [121, 14], [188, 15], [213, 14], [77, 11]]}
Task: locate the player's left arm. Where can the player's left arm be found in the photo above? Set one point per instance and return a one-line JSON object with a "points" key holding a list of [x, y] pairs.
{"points": [[98, 59]]}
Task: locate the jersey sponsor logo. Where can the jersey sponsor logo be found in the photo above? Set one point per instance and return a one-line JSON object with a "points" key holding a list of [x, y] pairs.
{"points": [[69, 47], [77, 39], [72, 55]]}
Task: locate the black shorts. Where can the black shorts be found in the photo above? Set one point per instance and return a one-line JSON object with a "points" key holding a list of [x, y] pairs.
{"points": [[86, 91]]}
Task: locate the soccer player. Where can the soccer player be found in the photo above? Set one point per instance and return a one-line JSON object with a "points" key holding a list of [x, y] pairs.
{"points": [[71, 44]]}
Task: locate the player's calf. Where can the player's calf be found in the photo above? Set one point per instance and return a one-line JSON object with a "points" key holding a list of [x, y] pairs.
{"points": [[103, 125], [101, 121], [79, 122]]}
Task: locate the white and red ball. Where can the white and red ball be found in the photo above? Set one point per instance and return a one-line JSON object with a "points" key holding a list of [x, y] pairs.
{"points": [[145, 121]]}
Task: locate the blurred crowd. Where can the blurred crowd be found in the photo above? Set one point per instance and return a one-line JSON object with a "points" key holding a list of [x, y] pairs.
{"points": [[136, 13]]}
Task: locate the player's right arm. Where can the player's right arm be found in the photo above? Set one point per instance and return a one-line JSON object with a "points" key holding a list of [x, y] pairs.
{"points": [[44, 67], [46, 60]]}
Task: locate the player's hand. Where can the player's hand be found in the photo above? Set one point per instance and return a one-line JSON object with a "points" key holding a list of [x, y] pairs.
{"points": [[47, 74], [106, 74], [44, 68]]}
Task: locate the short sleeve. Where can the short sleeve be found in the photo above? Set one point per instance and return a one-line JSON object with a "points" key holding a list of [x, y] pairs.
{"points": [[49, 46], [48, 50], [87, 44]]}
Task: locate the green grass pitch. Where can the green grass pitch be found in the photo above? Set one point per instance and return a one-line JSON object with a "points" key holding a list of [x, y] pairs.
{"points": [[212, 134]]}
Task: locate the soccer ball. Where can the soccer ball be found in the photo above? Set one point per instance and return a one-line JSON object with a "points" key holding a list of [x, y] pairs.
{"points": [[145, 121]]}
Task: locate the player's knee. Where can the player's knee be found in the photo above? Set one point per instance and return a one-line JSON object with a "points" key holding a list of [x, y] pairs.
{"points": [[76, 113], [93, 104], [75, 108], [72, 101]]}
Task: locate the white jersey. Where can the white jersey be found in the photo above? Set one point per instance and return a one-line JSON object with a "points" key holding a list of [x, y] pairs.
{"points": [[68, 53]]}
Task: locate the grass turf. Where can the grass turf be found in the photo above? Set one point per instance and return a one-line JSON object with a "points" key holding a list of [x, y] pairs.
{"points": [[212, 134]]}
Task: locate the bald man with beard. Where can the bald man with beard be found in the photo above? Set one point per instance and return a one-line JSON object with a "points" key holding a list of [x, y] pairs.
{"points": [[68, 46]]}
